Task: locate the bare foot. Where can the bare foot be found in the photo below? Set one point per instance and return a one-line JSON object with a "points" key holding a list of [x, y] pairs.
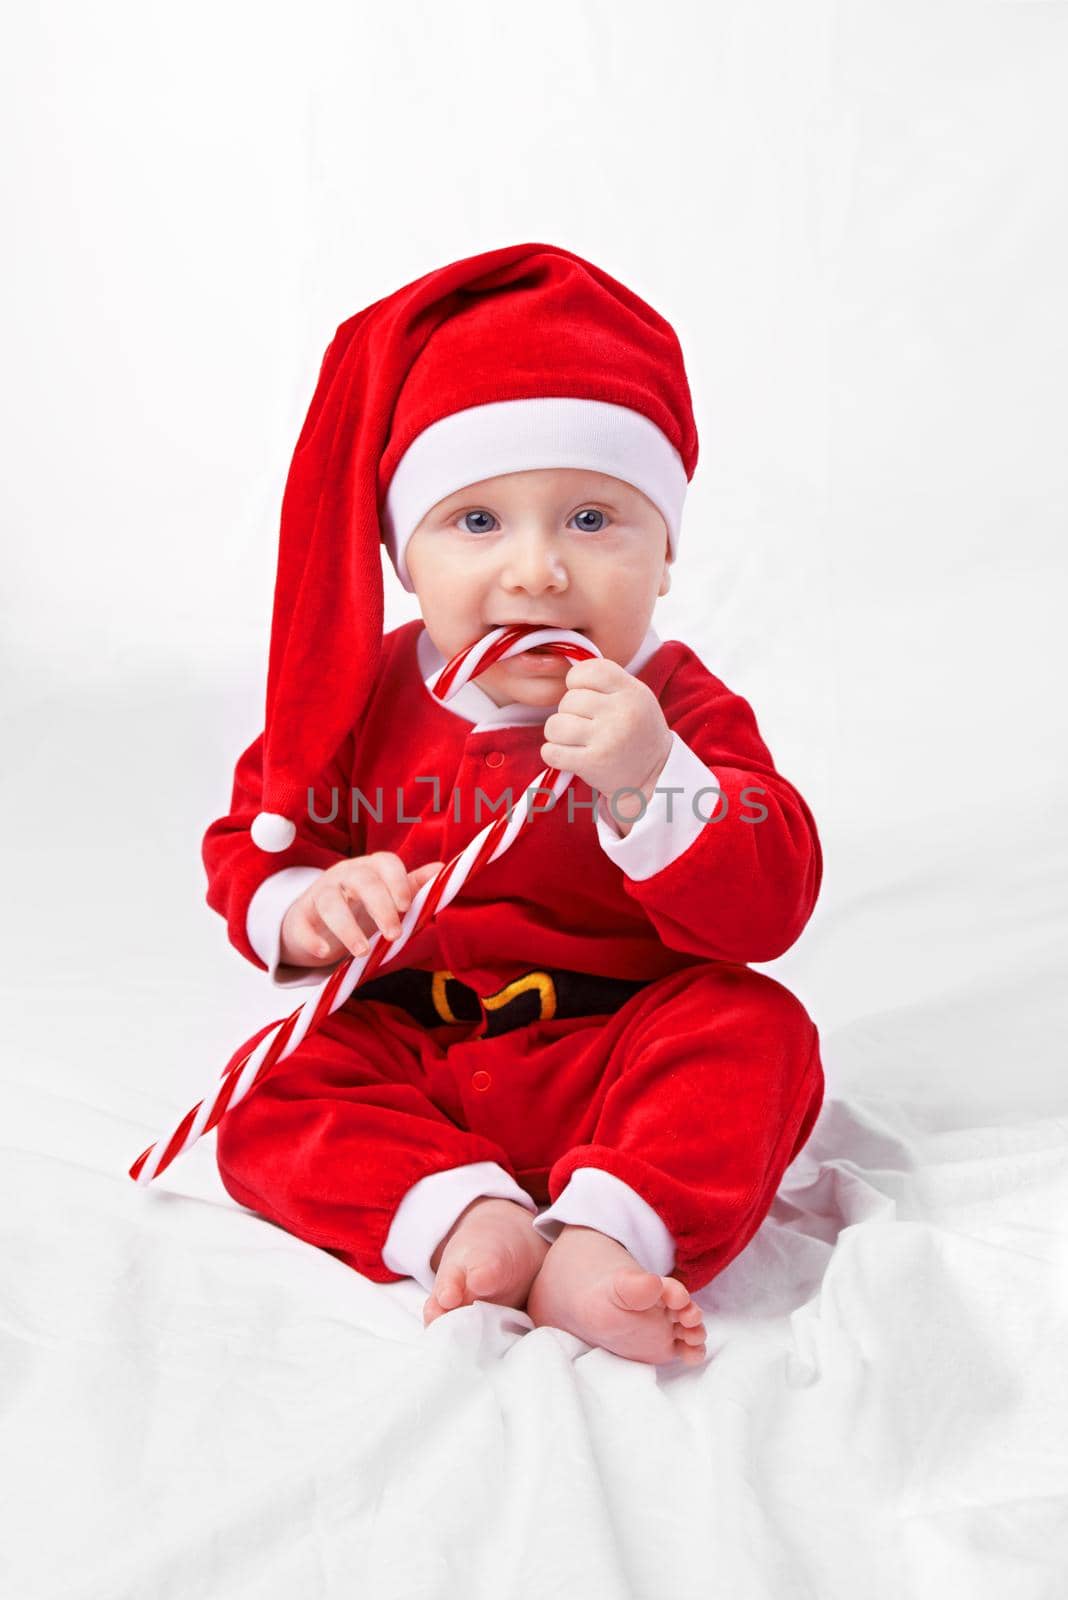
{"points": [[591, 1286], [492, 1252]]}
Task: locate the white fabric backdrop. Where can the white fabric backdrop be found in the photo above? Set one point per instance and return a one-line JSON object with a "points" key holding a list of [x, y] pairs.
{"points": [[855, 217]]}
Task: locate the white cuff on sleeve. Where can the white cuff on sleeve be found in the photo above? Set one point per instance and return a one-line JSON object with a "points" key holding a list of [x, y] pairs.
{"points": [[594, 1198], [431, 1206], [658, 836], [263, 924]]}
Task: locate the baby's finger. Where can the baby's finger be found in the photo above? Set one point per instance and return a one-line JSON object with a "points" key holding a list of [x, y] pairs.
{"points": [[378, 901], [420, 876], [395, 876], [324, 932], [306, 930], [337, 914]]}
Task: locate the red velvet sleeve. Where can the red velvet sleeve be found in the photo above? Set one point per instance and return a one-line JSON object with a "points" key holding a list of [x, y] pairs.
{"points": [[745, 888], [236, 866]]}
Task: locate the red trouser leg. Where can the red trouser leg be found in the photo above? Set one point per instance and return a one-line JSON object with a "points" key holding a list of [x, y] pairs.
{"points": [[329, 1141], [711, 1084]]}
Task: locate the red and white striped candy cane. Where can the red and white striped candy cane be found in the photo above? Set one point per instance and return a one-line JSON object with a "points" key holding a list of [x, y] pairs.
{"points": [[437, 892]]}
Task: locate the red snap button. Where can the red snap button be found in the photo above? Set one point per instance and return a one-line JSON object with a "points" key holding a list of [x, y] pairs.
{"points": [[480, 1080], [495, 758]]}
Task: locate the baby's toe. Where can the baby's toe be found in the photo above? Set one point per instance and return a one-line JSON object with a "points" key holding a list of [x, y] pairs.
{"points": [[485, 1275], [431, 1311], [690, 1315], [449, 1286], [636, 1290], [690, 1335], [675, 1294], [691, 1354]]}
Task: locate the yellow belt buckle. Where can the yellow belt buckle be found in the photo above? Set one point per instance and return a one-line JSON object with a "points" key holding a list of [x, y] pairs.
{"points": [[440, 998], [541, 981]]}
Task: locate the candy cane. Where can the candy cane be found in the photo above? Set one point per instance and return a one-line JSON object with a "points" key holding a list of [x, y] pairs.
{"points": [[285, 1035]]}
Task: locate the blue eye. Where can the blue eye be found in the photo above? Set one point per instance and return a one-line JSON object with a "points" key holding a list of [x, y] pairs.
{"points": [[481, 528], [483, 521]]}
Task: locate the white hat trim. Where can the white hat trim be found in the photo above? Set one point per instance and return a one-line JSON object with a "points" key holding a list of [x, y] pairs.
{"points": [[521, 435]]}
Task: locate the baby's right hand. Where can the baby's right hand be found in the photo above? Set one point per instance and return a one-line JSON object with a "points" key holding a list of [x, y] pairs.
{"points": [[346, 903]]}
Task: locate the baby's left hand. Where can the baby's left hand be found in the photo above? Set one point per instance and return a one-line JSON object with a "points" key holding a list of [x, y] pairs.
{"points": [[609, 731]]}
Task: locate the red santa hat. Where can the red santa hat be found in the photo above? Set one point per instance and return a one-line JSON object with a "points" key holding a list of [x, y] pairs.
{"points": [[518, 358]]}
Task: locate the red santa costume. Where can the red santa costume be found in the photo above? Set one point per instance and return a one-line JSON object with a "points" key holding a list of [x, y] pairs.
{"points": [[580, 1025]]}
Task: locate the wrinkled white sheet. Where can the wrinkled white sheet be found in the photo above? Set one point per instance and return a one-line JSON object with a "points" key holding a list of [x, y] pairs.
{"points": [[196, 1404]]}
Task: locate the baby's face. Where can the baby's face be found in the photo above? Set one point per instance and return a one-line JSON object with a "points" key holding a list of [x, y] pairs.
{"points": [[567, 548]]}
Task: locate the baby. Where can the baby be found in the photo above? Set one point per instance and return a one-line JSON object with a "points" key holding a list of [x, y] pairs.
{"points": [[660, 1087]]}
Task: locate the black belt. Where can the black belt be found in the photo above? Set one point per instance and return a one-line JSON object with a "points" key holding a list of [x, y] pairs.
{"points": [[433, 998]]}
